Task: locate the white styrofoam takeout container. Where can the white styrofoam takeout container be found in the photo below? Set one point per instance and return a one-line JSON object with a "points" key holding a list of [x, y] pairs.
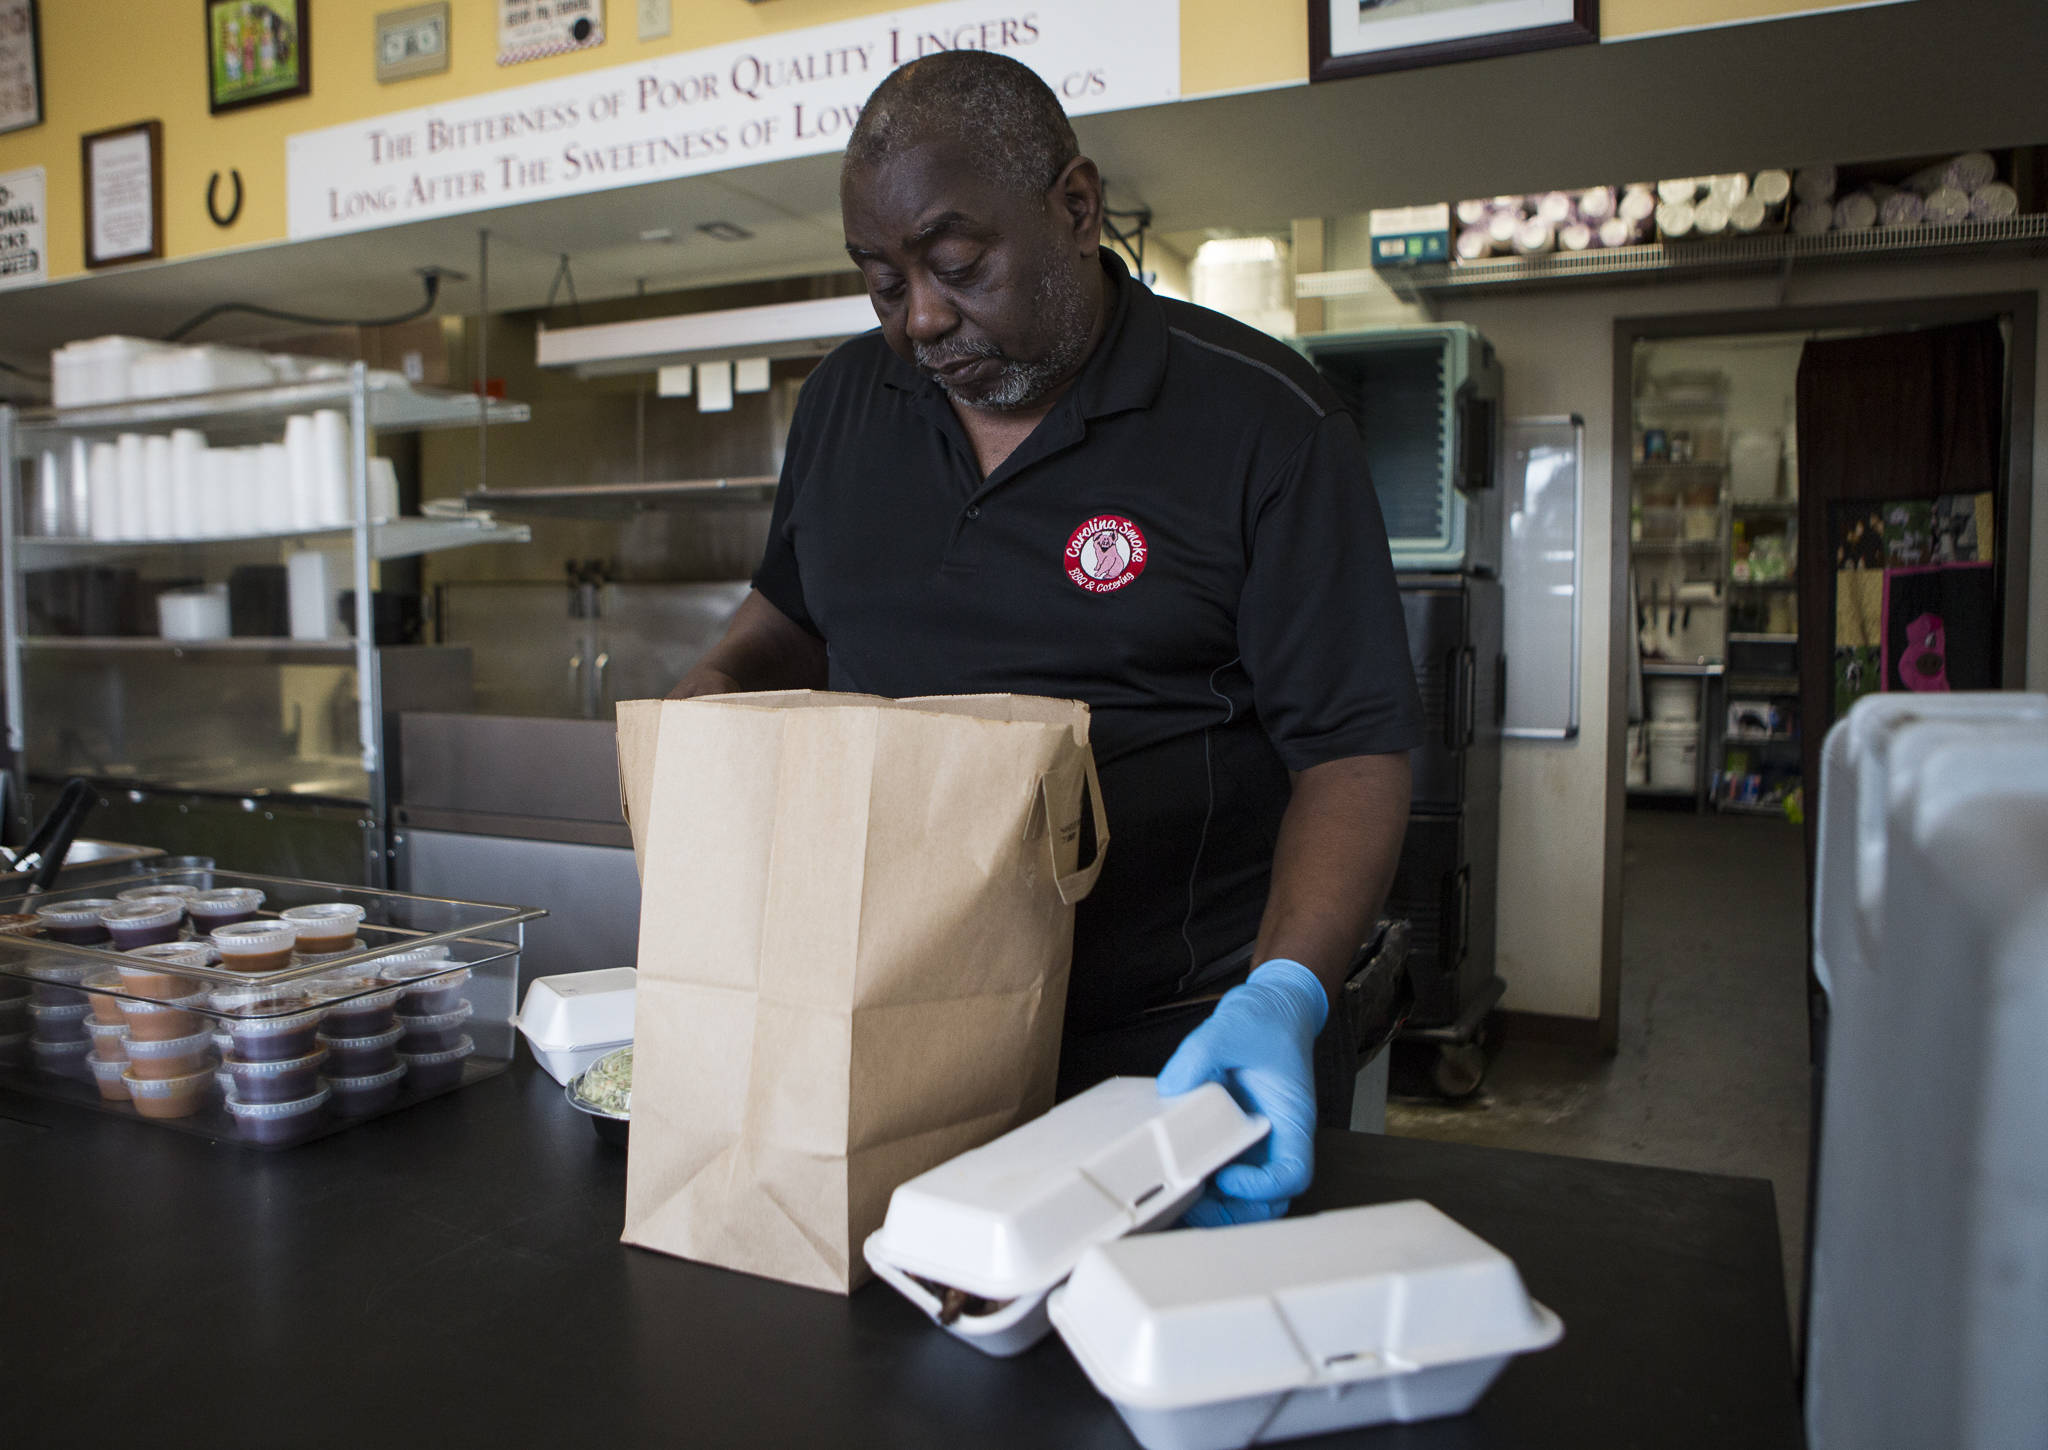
{"points": [[573, 1019], [1211, 1339], [1009, 1220]]}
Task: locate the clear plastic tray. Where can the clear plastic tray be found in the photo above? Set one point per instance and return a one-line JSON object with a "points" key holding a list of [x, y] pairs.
{"points": [[481, 940]]}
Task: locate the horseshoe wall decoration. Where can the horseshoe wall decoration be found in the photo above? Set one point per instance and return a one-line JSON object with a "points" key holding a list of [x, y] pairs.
{"points": [[213, 207]]}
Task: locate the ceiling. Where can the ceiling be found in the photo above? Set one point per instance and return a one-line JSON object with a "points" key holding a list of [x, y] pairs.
{"points": [[1904, 79]]}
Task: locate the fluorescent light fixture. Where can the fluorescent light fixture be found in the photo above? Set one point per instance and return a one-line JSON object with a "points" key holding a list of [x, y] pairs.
{"points": [[674, 381], [750, 375], [658, 234], [781, 329], [714, 387], [726, 231]]}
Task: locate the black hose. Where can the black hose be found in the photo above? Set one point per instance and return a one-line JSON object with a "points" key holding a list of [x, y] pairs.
{"points": [[221, 309]]}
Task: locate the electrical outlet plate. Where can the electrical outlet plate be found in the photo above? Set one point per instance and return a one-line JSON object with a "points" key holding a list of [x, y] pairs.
{"points": [[654, 19]]}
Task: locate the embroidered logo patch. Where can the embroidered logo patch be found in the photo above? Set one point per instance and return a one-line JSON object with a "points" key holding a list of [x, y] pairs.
{"points": [[1105, 554]]}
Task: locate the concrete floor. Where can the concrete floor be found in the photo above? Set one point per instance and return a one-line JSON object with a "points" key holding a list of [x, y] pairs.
{"points": [[1712, 1068]]}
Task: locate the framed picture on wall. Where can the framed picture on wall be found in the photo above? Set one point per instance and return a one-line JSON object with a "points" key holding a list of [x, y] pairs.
{"points": [[124, 193], [1362, 37], [256, 51], [21, 66]]}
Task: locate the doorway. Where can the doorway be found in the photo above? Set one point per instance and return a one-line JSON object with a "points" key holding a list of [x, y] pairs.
{"points": [[1745, 566]]}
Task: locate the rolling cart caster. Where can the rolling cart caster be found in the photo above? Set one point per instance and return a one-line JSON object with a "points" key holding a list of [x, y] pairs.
{"points": [[1459, 1069]]}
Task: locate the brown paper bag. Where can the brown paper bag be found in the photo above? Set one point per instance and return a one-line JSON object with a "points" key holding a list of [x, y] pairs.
{"points": [[856, 923]]}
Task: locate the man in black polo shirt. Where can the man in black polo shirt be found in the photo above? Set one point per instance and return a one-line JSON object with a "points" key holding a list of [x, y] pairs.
{"points": [[1039, 477]]}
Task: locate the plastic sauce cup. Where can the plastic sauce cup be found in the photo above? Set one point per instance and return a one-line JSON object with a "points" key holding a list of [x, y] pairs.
{"points": [[112, 1078], [362, 1056], [269, 1030], [324, 928], [358, 1097], [168, 1097], [20, 923], [135, 924], [65, 1023], [169, 1057], [225, 907], [430, 1072], [100, 988], [282, 1081], [62, 1059], [148, 973], [273, 1125], [436, 1033], [254, 946], [430, 987], [364, 1015], [163, 1021], [59, 983], [109, 1043], [75, 923], [179, 894]]}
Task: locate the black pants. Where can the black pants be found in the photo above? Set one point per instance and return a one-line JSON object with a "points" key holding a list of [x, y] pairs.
{"points": [[1134, 1049]]}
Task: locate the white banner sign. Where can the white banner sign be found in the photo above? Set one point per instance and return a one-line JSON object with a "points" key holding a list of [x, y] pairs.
{"points": [[683, 114], [24, 248]]}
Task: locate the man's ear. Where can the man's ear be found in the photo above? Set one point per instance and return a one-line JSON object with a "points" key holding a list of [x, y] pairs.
{"points": [[1078, 196]]}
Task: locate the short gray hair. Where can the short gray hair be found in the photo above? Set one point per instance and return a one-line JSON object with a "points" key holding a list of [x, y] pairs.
{"points": [[1009, 119]]}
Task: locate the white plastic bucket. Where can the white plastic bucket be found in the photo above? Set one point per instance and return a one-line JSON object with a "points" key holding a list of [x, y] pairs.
{"points": [[1674, 755], [1674, 701]]}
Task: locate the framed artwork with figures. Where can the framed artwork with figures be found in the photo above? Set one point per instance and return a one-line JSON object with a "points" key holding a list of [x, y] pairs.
{"points": [[1363, 37], [256, 51]]}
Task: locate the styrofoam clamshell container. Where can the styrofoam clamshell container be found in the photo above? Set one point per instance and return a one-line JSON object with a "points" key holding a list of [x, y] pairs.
{"points": [[1213, 1339], [1008, 1221], [573, 1019]]}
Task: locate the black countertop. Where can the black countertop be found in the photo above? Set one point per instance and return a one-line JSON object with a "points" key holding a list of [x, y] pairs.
{"points": [[451, 1275]]}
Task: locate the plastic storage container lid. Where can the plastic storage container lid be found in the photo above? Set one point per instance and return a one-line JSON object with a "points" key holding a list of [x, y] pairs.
{"points": [[456, 1053], [418, 960], [1013, 1217], [250, 937], [140, 915], [436, 1021], [290, 1109], [356, 992], [182, 953], [580, 1009], [1177, 1320], [171, 1046], [231, 1063], [153, 893], [226, 898], [364, 1044], [336, 916], [75, 913]]}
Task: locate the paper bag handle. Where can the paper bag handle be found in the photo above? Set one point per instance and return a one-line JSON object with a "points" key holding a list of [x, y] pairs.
{"points": [[1075, 884]]}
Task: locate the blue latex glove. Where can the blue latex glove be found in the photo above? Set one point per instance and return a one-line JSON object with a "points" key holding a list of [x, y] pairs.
{"points": [[1260, 1044]]}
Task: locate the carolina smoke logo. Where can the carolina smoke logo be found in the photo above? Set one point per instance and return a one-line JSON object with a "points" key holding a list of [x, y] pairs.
{"points": [[1105, 554]]}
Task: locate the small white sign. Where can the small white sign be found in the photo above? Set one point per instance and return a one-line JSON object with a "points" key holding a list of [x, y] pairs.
{"points": [[24, 230], [123, 185], [530, 29], [795, 93]]}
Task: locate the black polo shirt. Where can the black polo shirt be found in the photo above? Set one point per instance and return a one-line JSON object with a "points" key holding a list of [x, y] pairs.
{"points": [[1188, 542]]}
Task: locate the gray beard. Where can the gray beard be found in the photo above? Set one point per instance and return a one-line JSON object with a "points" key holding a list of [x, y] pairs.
{"points": [[1017, 384]]}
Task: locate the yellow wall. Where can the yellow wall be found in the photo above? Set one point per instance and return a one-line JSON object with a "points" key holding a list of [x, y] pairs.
{"points": [[111, 62], [1621, 19]]}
